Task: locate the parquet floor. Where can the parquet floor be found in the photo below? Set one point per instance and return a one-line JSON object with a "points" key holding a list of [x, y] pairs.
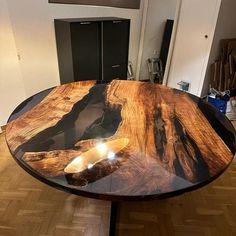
{"points": [[30, 208]]}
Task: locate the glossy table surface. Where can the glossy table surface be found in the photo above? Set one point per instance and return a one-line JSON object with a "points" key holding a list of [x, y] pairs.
{"points": [[124, 140]]}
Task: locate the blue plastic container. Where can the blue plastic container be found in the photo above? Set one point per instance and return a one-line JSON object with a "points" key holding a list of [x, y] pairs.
{"points": [[220, 104]]}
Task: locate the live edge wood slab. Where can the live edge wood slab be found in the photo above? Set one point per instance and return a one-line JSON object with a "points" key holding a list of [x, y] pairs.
{"points": [[124, 140]]}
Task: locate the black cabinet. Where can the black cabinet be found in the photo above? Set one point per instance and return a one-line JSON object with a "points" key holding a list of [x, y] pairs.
{"points": [[115, 49], [86, 50], [92, 48]]}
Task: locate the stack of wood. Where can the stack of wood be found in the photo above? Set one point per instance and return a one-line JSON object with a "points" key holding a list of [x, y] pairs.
{"points": [[223, 71]]}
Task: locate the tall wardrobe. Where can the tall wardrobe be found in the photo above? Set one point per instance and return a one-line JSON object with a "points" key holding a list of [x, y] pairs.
{"points": [[92, 48]]}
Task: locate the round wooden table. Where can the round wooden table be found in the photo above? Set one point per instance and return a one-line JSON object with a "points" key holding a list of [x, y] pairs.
{"points": [[123, 140]]}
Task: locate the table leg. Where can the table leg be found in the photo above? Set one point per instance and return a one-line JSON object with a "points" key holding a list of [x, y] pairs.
{"points": [[113, 218]]}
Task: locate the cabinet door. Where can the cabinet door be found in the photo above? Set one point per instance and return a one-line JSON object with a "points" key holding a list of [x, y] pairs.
{"points": [[86, 50], [118, 71], [115, 44]]}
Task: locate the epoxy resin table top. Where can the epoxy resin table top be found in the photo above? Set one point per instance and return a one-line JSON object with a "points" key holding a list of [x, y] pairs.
{"points": [[124, 140]]}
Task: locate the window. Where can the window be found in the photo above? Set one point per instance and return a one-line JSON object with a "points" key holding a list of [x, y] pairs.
{"points": [[135, 4]]}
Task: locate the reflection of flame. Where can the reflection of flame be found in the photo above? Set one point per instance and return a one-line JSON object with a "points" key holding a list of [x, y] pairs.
{"points": [[96, 154]]}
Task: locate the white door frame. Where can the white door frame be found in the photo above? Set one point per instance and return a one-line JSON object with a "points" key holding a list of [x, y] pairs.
{"points": [[172, 45]]}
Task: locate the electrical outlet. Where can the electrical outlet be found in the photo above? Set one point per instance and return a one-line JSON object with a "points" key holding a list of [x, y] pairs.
{"points": [[184, 85]]}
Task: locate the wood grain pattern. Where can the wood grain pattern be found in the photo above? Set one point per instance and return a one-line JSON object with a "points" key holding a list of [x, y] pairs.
{"points": [[171, 147], [170, 104], [47, 113]]}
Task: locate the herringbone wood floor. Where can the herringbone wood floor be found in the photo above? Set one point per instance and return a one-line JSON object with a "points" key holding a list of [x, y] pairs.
{"points": [[28, 208]]}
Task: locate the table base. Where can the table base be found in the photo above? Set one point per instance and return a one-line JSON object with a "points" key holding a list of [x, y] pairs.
{"points": [[115, 207]]}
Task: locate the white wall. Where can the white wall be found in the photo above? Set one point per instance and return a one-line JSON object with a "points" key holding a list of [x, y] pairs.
{"points": [[225, 28], [33, 29], [158, 12], [11, 85]]}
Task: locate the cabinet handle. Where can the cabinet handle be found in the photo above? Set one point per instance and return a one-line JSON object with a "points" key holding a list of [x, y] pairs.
{"points": [[115, 66], [117, 21], [85, 23]]}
